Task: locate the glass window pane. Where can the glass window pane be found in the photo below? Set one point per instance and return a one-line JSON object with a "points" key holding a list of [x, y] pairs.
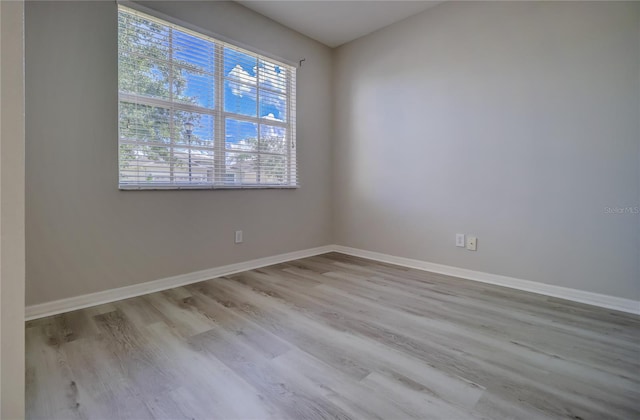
{"points": [[193, 165], [143, 76], [273, 139], [273, 169], [193, 87], [253, 168], [194, 128], [272, 76], [241, 168], [240, 66], [239, 98], [239, 85], [241, 135], [143, 163], [140, 36], [143, 123], [194, 52], [273, 106]]}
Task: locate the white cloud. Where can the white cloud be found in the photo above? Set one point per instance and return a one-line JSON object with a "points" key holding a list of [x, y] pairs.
{"points": [[241, 74], [239, 89], [271, 76], [272, 117]]}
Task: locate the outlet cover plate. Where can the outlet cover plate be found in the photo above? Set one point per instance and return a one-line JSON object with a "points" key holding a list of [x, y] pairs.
{"points": [[472, 243]]}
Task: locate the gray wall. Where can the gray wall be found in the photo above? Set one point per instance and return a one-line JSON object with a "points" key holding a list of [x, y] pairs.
{"points": [[83, 235], [12, 187], [516, 122]]}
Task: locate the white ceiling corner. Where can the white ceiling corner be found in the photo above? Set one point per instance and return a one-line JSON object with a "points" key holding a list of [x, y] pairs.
{"points": [[334, 23]]}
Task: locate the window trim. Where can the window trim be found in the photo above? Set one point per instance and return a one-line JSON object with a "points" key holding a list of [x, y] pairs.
{"points": [[218, 113]]}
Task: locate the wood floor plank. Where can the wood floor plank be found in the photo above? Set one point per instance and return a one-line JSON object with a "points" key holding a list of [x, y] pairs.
{"points": [[335, 336], [213, 389], [446, 361], [289, 395]]}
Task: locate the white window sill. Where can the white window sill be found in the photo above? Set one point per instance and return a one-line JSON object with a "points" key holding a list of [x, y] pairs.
{"points": [[206, 187]]}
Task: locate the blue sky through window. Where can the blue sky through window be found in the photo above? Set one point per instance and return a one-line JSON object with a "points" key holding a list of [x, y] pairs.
{"points": [[241, 89], [200, 53], [238, 132], [195, 61]]}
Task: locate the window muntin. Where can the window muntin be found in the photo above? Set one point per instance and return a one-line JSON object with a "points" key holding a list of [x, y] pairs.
{"points": [[195, 112]]}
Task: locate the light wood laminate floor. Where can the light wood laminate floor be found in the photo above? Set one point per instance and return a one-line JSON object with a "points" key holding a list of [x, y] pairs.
{"points": [[335, 336]]}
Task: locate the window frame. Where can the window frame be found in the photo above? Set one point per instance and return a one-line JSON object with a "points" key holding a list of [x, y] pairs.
{"points": [[217, 113]]}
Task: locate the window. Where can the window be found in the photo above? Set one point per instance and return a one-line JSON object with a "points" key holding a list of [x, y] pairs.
{"points": [[195, 112]]}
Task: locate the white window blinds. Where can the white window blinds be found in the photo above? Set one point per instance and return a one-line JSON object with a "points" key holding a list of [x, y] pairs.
{"points": [[195, 112]]}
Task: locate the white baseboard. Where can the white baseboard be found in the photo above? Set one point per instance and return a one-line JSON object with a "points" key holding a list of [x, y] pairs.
{"points": [[92, 299], [112, 295], [596, 299]]}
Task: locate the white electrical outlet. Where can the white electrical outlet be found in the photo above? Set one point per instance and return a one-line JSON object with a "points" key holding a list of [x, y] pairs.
{"points": [[460, 239], [238, 236], [472, 243]]}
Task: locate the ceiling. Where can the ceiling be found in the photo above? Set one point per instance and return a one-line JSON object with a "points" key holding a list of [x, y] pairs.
{"points": [[334, 23]]}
